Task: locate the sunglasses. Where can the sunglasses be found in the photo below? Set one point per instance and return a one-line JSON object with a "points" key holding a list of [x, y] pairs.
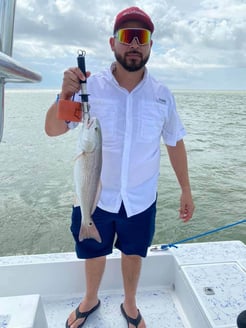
{"points": [[127, 35]]}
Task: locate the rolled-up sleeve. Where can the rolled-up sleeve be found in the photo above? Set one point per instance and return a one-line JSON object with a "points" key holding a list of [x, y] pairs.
{"points": [[173, 129]]}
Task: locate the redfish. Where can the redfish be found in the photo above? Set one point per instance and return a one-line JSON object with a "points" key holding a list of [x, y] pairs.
{"points": [[87, 173]]}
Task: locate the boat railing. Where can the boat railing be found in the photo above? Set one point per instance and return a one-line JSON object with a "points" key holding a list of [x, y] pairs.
{"points": [[10, 70]]}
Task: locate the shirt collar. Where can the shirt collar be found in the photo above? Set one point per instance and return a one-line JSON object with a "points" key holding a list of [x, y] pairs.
{"points": [[113, 67]]}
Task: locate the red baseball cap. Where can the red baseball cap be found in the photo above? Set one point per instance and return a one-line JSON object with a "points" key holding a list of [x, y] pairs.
{"points": [[133, 13]]}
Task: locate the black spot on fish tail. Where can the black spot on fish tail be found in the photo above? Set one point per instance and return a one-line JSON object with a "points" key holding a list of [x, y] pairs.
{"points": [[89, 232]]}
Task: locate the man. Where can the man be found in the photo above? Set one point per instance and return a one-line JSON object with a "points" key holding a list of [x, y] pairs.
{"points": [[135, 111]]}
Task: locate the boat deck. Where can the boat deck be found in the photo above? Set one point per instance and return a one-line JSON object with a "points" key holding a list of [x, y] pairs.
{"points": [[157, 305], [201, 285]]}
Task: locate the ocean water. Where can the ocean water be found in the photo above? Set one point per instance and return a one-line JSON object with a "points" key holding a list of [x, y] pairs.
{"points": [[36, 173]]}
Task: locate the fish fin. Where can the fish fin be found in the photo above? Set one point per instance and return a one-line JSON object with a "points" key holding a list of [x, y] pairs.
{"points": [[89, 232], [78, 156], [96, 200]]}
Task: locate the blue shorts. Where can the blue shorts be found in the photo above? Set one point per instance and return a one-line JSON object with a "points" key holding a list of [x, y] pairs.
{"points": [[133, 235]]}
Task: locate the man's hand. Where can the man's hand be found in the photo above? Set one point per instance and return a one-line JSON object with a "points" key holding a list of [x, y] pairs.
{"points": [[71, 82], [186, 206]]}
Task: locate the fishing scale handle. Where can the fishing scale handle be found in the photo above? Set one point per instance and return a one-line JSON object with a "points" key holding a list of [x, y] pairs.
{"points": [[81, 63], [84, 95]]}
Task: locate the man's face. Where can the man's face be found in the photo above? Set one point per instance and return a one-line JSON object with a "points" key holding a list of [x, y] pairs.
{"points": [[132, 56]]}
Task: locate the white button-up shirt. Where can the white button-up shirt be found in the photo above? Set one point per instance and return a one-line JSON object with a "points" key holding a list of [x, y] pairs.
{"points": [[132, 125]]}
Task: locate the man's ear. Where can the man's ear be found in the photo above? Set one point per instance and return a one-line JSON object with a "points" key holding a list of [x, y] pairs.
{"points": [[112, 42]]}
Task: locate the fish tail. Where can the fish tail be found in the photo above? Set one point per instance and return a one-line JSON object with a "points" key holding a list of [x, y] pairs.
{"points": [[89, 232]]}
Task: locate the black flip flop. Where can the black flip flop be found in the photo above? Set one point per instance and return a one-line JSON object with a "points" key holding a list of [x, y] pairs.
{"points": [[83, 315], [130, 320]]}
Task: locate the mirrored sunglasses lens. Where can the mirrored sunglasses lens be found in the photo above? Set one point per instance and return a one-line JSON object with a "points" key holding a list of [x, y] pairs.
{"points": [[127, 35]]}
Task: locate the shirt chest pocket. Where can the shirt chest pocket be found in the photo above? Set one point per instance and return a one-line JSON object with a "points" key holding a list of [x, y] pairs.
{"points": [[151, 122], [105, 111]]}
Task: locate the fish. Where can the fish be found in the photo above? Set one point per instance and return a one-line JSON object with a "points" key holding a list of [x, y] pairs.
{"points": [[87, 176]]}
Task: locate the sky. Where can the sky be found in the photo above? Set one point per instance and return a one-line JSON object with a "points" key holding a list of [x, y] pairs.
{"points": [[196, 44]]}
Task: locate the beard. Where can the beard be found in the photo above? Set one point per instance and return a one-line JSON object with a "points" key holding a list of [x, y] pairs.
{"points": [[132, 65]]}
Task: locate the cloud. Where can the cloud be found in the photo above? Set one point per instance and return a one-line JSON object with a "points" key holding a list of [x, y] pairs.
{"points": [[209, 37], [188, 36]]}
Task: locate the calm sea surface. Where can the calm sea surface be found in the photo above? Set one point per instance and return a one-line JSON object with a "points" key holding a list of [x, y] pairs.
{"points": [[36, 173]]}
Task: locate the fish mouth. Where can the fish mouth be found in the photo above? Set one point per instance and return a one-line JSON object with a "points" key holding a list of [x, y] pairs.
{"points": [[89, 122]]}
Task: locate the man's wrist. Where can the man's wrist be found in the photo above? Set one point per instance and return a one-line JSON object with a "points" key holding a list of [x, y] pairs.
{"points": [[57, 100]]}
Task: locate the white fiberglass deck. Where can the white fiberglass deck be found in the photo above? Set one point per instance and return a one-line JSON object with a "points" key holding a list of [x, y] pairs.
{"points": [[157, 305], [197, 285]]}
